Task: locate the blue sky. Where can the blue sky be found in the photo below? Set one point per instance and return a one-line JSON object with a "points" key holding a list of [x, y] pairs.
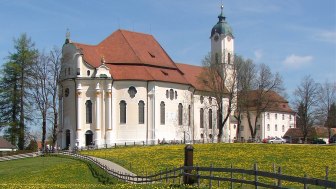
{"points": [[293, 37]]}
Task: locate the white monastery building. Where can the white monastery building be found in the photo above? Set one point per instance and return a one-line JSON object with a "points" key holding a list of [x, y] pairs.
{"points": [[128, 89]]}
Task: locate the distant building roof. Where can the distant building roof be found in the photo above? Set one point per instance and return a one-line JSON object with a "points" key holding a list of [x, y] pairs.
{"points": [[313, 132], [4, 144], [275, 101]]}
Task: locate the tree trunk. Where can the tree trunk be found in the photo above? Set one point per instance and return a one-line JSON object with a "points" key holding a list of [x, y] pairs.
{"points": [[44, 130], [54, 138]]}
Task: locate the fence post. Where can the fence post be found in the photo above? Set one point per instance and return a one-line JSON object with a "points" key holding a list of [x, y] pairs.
{"points": [[231, 177], [188, 161], [327, 174], [134, 143], [305, 186], [210, 180], [125, 143], [274, 171], [115, 145], [256, 176], [279, 180]]}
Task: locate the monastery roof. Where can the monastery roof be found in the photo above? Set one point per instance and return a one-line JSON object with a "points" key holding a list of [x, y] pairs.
{"points": [[133, 56], [276, 102]]}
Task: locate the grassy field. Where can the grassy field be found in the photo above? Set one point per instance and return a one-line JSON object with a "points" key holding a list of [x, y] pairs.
{"points": [[60, 172], [294, 159]]}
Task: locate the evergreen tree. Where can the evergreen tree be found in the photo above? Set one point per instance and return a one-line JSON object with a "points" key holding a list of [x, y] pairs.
{"points": [[18, 73], [331, 119]]}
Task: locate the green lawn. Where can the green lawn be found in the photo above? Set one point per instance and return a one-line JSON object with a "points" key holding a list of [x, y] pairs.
{"points": [[294, 159]]}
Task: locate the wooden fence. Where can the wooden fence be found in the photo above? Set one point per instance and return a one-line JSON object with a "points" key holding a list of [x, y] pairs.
{"points": [[208, 174]]}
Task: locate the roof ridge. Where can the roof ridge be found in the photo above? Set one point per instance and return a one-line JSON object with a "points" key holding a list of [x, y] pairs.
{"points": [[121, 31]]}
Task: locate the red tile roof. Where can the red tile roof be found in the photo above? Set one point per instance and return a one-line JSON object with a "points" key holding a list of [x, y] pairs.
{"points": [[276, 102], [192, 73], [133, 56]]}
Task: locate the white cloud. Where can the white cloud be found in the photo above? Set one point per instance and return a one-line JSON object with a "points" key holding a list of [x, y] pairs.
{"points": [[258, 54], [296, 61], [325, 35]]}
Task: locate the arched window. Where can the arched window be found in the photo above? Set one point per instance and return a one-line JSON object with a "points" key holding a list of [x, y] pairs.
{"points": [[201, 99], [88, 73], [162, 113], [201, 118], [210, 118], [283, 128], [175, 94], [229, 58], [180, 114], [210, 100], [268, 115], [276, 116], [167, 94], [88, 106], [141, 106], [276, 127], [171, 94], [122, 112], [268, 127], [189, 115]]}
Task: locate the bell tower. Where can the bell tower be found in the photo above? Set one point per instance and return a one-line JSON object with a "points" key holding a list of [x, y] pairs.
{"points": [[222, 41]]}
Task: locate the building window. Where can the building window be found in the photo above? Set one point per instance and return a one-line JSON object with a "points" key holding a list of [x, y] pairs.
{"points": [[78, 71], [175, 94], [66, 92], [276, 116], [276, 127], [258, 127], [268, 127], [229, 58], [180, 114], [290, 117], [201, 118], [141, 106], [202, 135], [189, 115], [210, 100], [283, 116], [210, 118], [202, 99], [210, 136], [132, 91], [283, 128], [88, 73], [167, 94], [268, 116], [88, 107], [162, 113], [171, 93], [122, 112]]}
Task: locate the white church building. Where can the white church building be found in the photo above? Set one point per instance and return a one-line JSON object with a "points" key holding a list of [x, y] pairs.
{"points": [[128, 89]]}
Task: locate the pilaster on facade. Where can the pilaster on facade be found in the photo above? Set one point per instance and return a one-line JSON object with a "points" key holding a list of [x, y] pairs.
{"points": [[79, 104]]}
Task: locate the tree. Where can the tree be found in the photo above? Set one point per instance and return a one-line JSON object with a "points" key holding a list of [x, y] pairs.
{"points": [[9, 102], [220, 80], [326, 97], [266, 83], [306, 102], [41, 92], [54, 67], [331, 118], [18, 73]]}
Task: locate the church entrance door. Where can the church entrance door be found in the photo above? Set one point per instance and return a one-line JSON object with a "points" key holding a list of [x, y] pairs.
{"points": [[67, 138], [88, 138]]}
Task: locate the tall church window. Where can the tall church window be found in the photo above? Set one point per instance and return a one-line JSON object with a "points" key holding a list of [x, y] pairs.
{"points": [[201, 118], [88, 107], [180, 114], [162, 113], [122, 112], [229, 58], [88, 73], [141, 106], [189, 115], [210, 118]]}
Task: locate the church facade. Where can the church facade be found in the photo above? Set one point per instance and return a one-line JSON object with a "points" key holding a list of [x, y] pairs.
{"points": [[128, 89]]}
